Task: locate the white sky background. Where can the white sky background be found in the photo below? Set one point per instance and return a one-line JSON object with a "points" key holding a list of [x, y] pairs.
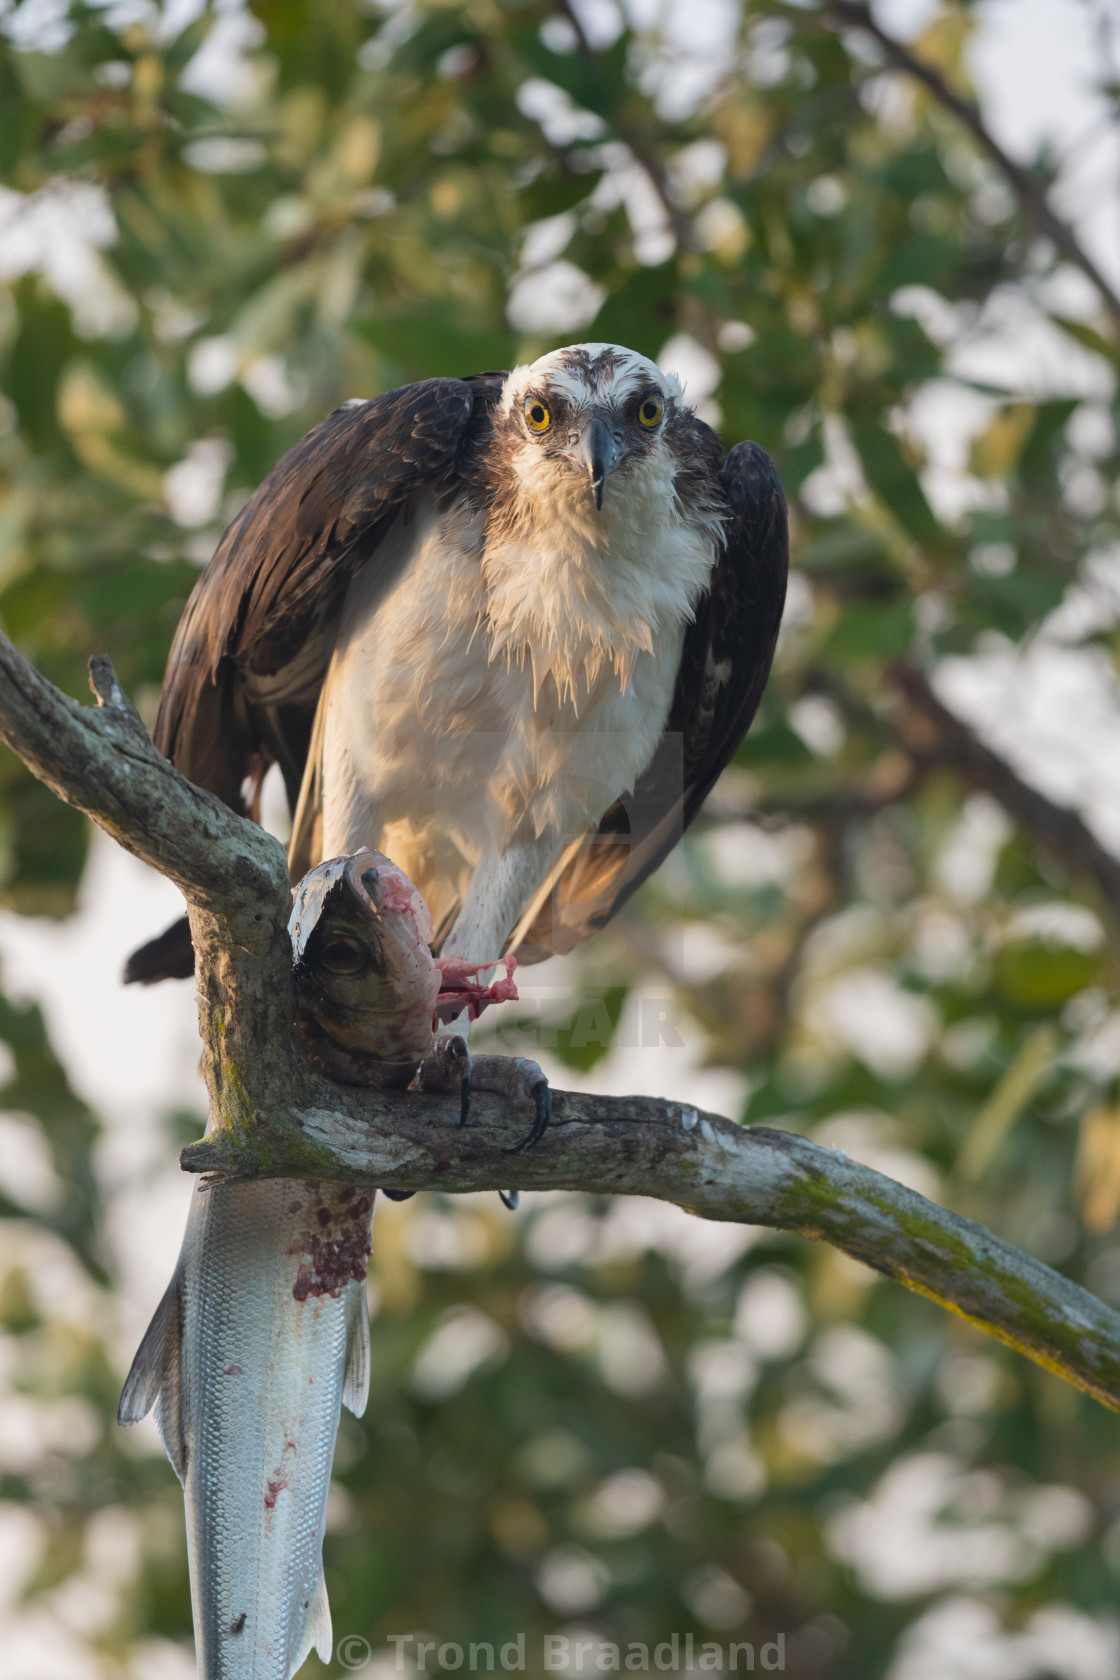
{"points": [[133, 1053]]}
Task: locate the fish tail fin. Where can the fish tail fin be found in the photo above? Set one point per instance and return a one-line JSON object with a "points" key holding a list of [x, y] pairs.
{"points": [[316, 1633], [154, 1379], [355, 1377]]}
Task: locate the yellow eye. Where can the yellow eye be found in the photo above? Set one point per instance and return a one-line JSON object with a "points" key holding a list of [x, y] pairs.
{"points": [[537, 417], [650, 411]]}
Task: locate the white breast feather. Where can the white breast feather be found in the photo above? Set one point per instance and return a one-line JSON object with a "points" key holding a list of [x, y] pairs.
{"points": [[572, 591]]}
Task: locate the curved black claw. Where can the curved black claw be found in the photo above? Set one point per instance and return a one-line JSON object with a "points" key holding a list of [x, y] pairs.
{"points": [[510, 1199], [542, 1097], [398, 1195], [465, 1098]]}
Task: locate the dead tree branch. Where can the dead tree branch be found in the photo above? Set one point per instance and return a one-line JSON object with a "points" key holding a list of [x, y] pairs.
{"points": [[273, 1116], [1028, 187], [233, 875], [646, 1146]]}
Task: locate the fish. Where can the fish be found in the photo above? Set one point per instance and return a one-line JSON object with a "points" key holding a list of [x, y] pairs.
{"points": [[262, 1335]]}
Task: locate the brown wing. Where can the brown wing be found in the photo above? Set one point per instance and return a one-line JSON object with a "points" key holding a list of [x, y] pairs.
{"points": [[255, 639], [726, 660]]}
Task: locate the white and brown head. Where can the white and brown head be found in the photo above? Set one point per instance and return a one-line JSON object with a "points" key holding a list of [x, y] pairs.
{"points": [[588, 414], [606, 511]]}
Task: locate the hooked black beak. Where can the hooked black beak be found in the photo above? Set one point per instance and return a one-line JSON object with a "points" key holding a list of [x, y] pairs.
{"points": [[598, 452]]}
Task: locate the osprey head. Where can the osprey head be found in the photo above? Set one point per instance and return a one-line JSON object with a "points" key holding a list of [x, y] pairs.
{"points": [[588, 411]]}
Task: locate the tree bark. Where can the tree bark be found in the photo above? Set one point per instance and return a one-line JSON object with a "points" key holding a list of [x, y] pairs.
{"points": [[273, 1116]]}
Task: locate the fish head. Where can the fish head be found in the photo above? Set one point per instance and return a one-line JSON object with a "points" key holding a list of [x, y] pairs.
{"points": [[363, 969]]}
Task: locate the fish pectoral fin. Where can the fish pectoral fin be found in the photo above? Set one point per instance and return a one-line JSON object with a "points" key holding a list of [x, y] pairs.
{"points": [[316, 1633], [155, 1379], [355, 1376], [145, 1379]]}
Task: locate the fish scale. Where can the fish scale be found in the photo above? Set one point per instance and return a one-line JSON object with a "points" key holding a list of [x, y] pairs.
{"points": [[263, 1332], [259, 1340]]}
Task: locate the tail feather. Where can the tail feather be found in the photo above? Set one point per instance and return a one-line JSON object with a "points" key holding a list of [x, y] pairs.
{"points": [[306, 844], [170, 956]]}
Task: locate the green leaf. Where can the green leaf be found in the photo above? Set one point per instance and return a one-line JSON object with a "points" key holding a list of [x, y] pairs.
{"points": [[1041, 977]]}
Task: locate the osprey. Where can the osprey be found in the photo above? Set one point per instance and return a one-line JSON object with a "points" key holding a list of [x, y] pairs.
{"points": [[506, 629]]}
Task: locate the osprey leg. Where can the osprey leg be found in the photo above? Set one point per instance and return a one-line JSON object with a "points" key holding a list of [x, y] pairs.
{"points": [[504, 881], [449, 1063], [520, 1080]]}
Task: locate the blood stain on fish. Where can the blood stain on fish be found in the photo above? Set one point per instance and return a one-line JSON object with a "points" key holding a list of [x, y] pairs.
{"points": [[337, 1253], [277, 1483]]}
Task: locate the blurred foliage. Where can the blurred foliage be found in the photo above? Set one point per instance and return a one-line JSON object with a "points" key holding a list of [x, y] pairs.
{"points": [[213, 232]]}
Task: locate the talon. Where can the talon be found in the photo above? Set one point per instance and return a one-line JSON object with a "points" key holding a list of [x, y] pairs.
{"points": [[542, 1097], [398, 1195], [465, 1098], [510, 1199]]}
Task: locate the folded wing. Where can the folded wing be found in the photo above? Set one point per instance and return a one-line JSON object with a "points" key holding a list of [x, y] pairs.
{"points": [[253, 645]]}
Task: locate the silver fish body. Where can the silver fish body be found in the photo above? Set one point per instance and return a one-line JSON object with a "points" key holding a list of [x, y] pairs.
{"points": [[261, 1337]]}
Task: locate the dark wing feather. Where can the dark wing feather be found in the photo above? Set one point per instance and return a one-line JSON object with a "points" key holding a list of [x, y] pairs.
{"points": [[724, 666], [253, 645], [729, 648], [255, 640]]}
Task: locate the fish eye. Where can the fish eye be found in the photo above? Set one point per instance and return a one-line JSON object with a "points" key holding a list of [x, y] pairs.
{"points": [[537, 417], [650, 411], [340, 955]]}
